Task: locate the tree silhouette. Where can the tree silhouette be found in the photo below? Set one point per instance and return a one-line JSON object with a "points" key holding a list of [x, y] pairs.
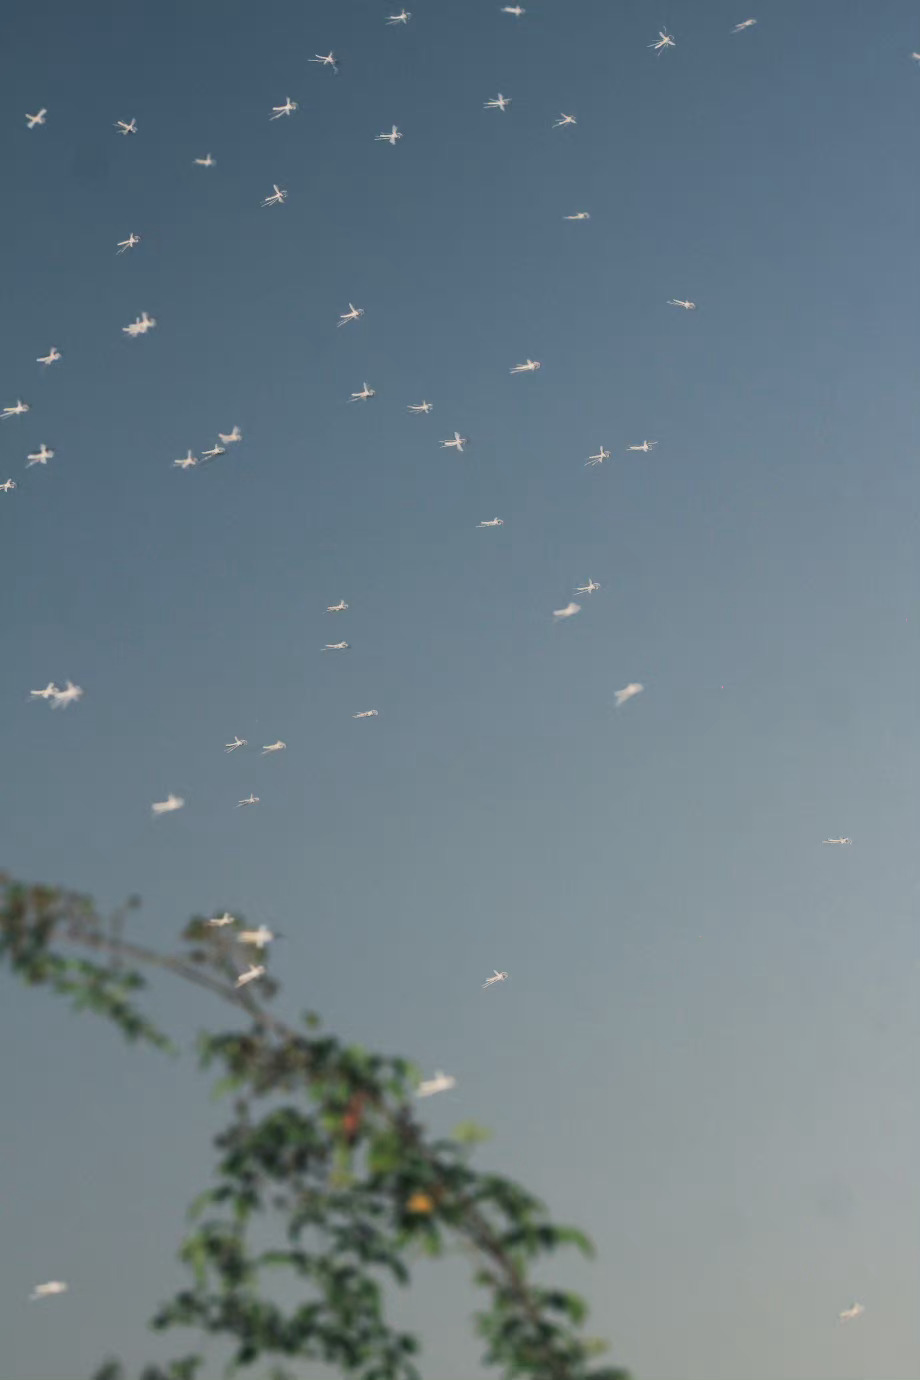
{"points": [[362, 1191]]}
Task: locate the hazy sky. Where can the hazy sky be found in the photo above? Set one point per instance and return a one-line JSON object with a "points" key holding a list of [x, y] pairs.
{"points": [[706, 1051]]}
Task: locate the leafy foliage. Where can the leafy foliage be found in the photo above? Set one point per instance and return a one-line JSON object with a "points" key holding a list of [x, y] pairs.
{"points": [[361, 1190]]}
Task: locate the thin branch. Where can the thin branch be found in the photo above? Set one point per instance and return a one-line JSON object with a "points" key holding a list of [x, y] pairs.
{"points": [[237, 997]]}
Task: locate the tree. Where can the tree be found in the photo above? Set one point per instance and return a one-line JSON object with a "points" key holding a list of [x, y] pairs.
{"points": [[362, 1191]]}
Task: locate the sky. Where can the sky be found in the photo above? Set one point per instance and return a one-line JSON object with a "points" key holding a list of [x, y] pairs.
{"points": [[705, 1053]]}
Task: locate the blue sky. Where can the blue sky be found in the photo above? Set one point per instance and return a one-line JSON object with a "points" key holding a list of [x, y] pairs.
{"points": [[705, 1051]]}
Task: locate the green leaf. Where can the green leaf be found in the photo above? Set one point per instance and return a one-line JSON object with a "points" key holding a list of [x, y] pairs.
{"points": [[470, 1133], [110, 1370], [385, 1154], [571, 1236], [195, 1254], [563, 1302], [199, 1203], [229, 1083], [595, 1346]]}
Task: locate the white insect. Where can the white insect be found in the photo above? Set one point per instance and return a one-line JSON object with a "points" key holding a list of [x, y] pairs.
{"points": [[234, 435], [141, 325], [207, 162], [634, 688], [681, 302], [530, 366], [664, 41], [69, 695], [220, 920], [40, 456], [458, 442], [326, 60], [8, 486], [340, 607], [513, 9], [569, 611], [336, 647], [499, 103], [496, 977], [38, 119], [442, 1082], [363, 395], [53, 354], [390, 138], [129, 243], [259, 937], [564, 120], [579, 215], [420, 407], [492, 522], [599, 458], [255, 970], [646, 446], [589, 588], [165, 807], [250, 800], [274, 747], [366, 714], [45, 1291], [836, 840], [853, 1311], [285, 109], [916, 57], [126, 126], [351, 315], [48, 693], [402, 18], [278, 196], [187, 462], [213, 453], [16, 411], [745, 24], [238, 742]]}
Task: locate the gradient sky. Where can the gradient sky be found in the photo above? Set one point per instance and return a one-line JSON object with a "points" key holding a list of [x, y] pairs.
{"points": [[706, 1051]]}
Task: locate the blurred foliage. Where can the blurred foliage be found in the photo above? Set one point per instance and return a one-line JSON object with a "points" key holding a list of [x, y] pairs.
{"points": [[361, 1190]]}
